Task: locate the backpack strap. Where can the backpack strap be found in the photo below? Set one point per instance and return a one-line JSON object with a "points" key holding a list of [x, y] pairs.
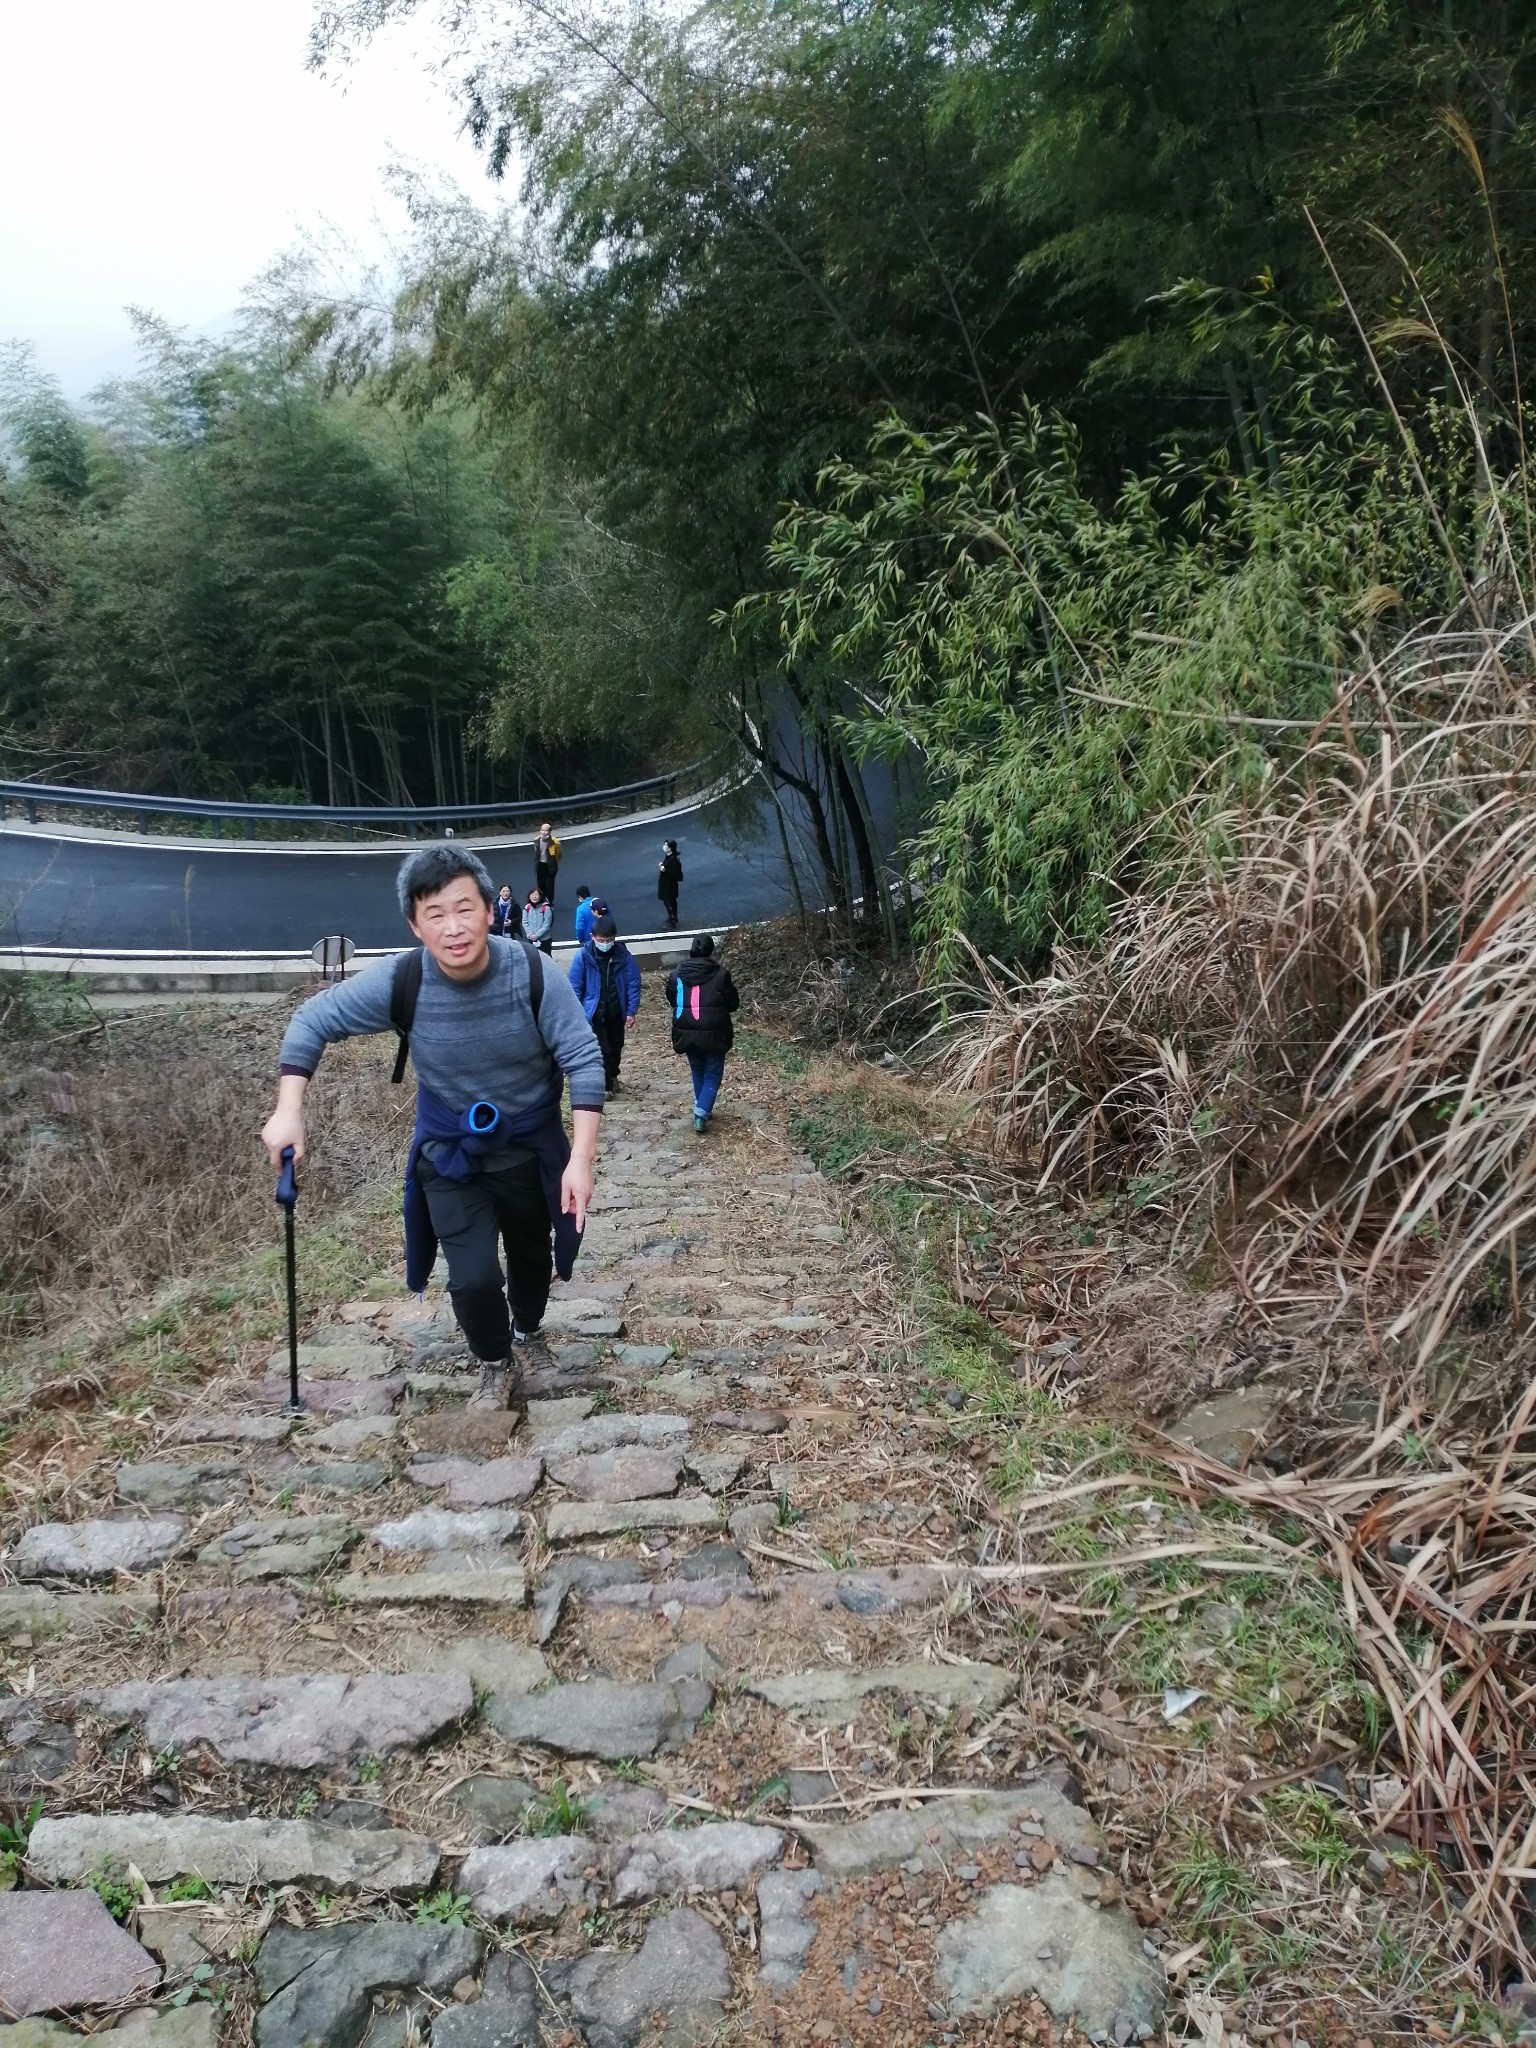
{"points": [[404, 990], [406, 987], [535, 979]]}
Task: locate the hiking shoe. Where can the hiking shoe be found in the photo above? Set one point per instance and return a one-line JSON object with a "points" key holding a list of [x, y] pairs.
{"points": [[530, 1347], [495, 1384], [700, 1124]]}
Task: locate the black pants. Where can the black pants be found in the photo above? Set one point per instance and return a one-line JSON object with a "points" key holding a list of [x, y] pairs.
{"points": [[473, 1219], [609, 1032], [669, 905], [545, 875]]}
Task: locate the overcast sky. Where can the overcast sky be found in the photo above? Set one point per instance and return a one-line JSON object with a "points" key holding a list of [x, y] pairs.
{"points": [[161, 152]]}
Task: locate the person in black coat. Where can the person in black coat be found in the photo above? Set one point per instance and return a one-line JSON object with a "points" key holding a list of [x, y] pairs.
{"points": [[669, 875], [701, 997], [507, 914]]}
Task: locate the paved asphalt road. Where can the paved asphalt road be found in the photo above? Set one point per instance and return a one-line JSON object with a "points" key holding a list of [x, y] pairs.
{"points": [[141, 895]]}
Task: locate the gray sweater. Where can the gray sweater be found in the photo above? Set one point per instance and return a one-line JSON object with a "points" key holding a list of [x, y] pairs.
{"points": [[471, 1041]]}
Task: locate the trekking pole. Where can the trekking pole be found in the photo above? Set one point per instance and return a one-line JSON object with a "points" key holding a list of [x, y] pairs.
{"points": [[287, 1198]]}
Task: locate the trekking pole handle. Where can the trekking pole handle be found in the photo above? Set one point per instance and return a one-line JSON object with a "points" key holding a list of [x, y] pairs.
{"points": [[287, 1186]]}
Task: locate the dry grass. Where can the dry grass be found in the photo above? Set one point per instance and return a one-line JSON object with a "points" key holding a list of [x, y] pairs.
{"points": [[1428, 1519], [128, 1153], [1318, 1032]]}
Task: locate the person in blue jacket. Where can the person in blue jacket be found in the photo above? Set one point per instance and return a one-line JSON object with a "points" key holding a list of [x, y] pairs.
{"points": [[585, 911], [606, 977]]}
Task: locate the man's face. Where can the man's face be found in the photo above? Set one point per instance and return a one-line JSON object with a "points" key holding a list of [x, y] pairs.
{"points": [[454, 925]]}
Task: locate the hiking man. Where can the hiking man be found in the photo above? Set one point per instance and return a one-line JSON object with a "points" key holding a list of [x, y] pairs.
{"points": [[546, 863], [606, 978], [492, 1038], [669, 877], [701, 996], [586, 910]]}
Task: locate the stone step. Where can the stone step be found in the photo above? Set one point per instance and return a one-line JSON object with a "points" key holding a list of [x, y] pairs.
{"points": [[60, 1951], [297, 1723], [240, 1853], [580, 1521], [434, 1529], [528, 1882], [318, 1983], [602, 1718], [634, 1472], [472, 1586], [466, 1483], [611, 1433], [32, 1612], [97, 1548], [981, 1687], [346, 1359]]}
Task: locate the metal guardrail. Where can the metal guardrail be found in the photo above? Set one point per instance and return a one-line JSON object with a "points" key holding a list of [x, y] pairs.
{"points": [[59, 796]]}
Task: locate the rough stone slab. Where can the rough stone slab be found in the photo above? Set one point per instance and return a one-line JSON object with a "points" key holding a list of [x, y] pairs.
{"points": [[336, 1397], [196, 1603], [942, 1829], [571, 1521], [1046, 1941], [187, 2026], [464, 1432], [786, 1928], [613, 1432], [506, 2015], [353, 1431], [583, 1319], [300, 1560], [643, 1357], [473, 1483], [529, 1884], [883, 1589], [546, 1418], [490, 1663], [633, 1473], [28, 1612], [231, 1852], [346, 1360], [165, 1485], [715, 1470], [981, 1687], [657, 1595], [717, 1856], [97, 1549], [495, 1807], [748, 1421], [714, 1561], [619, 1812], [757, 1519], [687, 1389], [680, 1970], [277, 1547], [497, 1586], [293, 1723], [63, 1950], [603, 1718], [1230, 1427], [439, 1529], [292, 1477], [318, 1982], [234, 1429]]}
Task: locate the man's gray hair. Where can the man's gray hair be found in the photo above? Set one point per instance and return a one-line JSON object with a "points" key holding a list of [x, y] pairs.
{"points": [[433, 868]]}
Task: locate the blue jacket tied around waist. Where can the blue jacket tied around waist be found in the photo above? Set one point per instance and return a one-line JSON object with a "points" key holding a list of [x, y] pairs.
{"points": [[463, 1141]]}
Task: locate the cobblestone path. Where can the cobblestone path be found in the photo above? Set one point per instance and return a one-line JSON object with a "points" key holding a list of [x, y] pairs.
{"points": [[645, 1713]]}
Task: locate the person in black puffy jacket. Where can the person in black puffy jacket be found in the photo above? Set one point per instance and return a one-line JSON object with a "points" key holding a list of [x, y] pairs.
{"points": [[701, 997]]}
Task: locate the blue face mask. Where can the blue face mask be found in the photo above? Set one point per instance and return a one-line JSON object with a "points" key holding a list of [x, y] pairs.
{"points": [[603, 945]]}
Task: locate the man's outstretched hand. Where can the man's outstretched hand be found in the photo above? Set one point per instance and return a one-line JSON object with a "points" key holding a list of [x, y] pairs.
{"points": [[285, 1126]]}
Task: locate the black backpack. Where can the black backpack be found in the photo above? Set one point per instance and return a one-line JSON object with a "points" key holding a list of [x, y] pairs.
{"points": [[406, 987]]}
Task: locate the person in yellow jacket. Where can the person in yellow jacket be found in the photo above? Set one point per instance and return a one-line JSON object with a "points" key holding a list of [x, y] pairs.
{"points": [[546, 863]]}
